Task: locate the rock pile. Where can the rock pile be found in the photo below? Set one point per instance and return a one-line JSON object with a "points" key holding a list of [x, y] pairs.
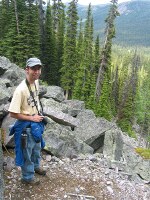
{"points": [[72, 131]]}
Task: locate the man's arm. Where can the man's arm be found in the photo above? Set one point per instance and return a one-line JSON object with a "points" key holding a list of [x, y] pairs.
{"points": [[34, 118]]}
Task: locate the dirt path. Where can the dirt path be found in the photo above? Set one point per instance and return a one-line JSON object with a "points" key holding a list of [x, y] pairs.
{"points": [[77, 179], [59, 183], [56, 185]]}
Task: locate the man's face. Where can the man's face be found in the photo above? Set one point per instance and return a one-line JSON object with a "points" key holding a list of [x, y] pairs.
{"points": [[34, 72]]}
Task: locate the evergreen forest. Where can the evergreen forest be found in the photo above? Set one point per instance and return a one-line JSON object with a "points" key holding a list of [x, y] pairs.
{"points": [[112, 80]]}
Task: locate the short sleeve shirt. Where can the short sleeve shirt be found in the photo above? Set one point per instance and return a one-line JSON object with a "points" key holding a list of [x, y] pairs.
{"points": [[22, 101]]}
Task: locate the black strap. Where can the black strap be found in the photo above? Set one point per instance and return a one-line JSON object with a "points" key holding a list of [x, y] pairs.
{"points": [[31, 93]]}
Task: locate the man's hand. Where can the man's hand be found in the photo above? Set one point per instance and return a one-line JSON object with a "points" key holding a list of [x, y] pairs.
{"points": [[37, 118]]}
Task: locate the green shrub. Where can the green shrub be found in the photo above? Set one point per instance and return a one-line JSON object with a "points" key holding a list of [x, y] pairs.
{"points": [[145, 153]]}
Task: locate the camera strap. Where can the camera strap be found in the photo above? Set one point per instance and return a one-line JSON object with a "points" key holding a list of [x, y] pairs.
{"points": [[32, 94]]}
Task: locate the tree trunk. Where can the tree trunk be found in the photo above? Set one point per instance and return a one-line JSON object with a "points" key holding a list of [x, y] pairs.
{"points": [[16, 14], [100, 78]]}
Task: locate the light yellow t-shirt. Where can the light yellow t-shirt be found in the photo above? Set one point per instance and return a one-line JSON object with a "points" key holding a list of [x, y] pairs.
{"points": [[22, 102]]}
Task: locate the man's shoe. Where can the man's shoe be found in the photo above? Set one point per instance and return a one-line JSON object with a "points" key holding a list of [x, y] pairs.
{"points": [[40, 171], [34, 181]]}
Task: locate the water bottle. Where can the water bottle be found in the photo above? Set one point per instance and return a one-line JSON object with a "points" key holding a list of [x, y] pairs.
{"points": [[24, 138]]}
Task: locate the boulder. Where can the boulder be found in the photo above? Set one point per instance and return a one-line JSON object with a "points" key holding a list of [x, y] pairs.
{"points": [[61, 117], [113, 144], [42, 90], [51, 104], [119, 147], [61, 142], [15, 74], [55, 92], [4, 95], [92, 128], [135, 163], [5, 64], [74, 106], [6, 124]]}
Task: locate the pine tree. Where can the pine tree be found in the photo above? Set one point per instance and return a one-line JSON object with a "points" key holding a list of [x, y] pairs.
{"points": [[143, 102], [9, 43], [79, 72], [50, 58], [83, 82], [115, 90], [96, 55], [5, 18], [41, 27], [94, 73], [69, 57], [126, 111], [106, 52], [53, 42], [22, 37], [105, 62], [59, 31], [88, 55], [31, 28], [103, 109]]}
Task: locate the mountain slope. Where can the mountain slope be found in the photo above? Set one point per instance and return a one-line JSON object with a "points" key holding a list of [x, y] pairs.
{"points": [[132, 26]]}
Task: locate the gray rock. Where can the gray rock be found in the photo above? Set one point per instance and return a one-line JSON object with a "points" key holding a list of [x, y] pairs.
{"points": [[15, 74], [51, 104], [61, 117], [42, 90], [6, 83], [3, 112], [92, 128], [74, 106], [135, 163], [113, 144], [55, 92], [10, 163], [4, 65], [4, 95], [118, 147], [62, 142], [6, 124]]}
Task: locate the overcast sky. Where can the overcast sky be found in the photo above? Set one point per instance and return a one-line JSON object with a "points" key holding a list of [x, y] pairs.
{"points": [[93, 2]]}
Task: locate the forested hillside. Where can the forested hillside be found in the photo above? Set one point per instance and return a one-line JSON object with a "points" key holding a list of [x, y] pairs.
{"points": [[113, 81], [131, 26]]}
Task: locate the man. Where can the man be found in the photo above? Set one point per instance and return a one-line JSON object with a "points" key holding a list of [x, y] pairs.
{"points": [[25, 107]]}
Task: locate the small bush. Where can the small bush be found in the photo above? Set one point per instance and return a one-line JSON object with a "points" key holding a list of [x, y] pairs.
{"points": [[145, 153]]}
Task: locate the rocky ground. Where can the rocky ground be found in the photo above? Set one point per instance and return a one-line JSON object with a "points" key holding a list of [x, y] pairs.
{"points": [[86, 177]]}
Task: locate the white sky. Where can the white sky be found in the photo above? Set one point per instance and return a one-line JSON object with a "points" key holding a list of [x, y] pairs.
{"points": [[93, 2]]}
